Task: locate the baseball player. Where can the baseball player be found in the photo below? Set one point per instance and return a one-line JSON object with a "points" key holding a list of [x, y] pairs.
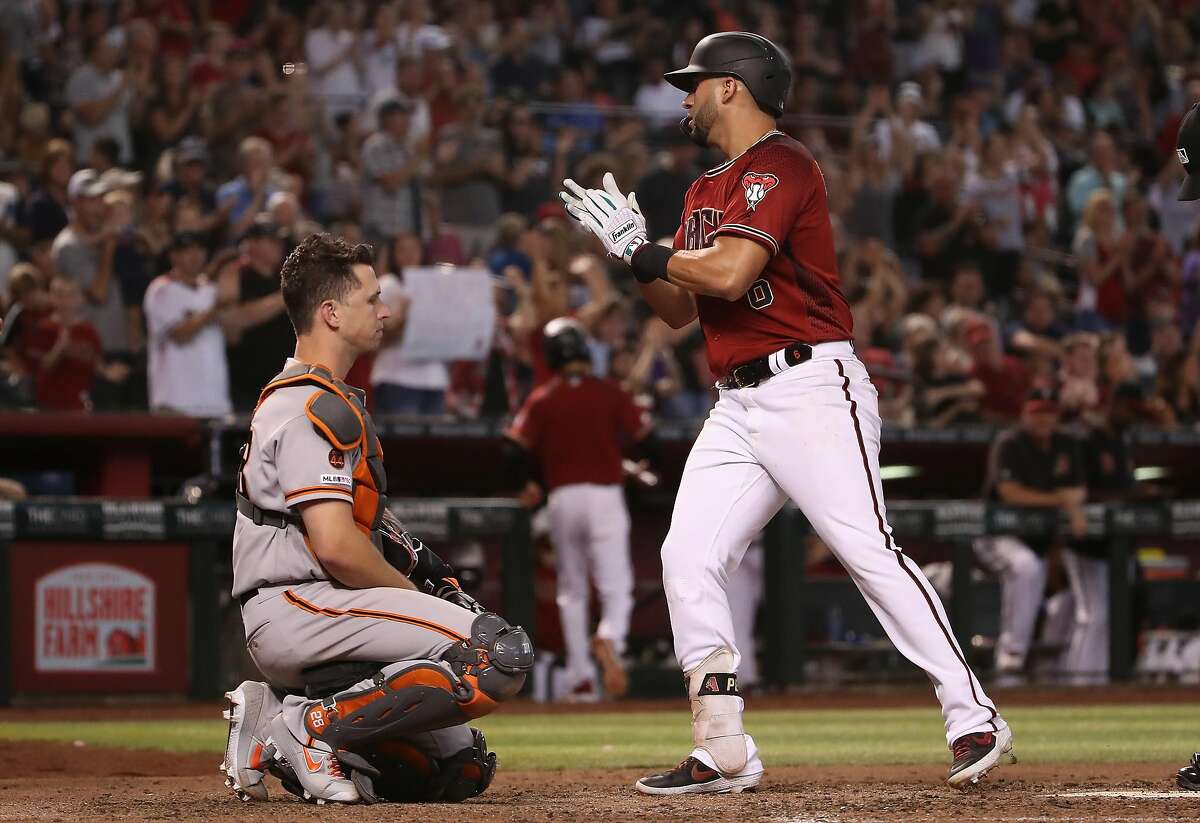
{"points": [[1187, 149], [380, 678], [573, 427], [797, 416]]}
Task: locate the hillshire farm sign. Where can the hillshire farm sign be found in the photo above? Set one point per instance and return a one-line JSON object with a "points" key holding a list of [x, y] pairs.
{"points": [[94, 617]]}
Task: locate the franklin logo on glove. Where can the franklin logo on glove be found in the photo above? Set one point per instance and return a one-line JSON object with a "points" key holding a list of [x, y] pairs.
{"points": [[620, 233], [613, 218]]}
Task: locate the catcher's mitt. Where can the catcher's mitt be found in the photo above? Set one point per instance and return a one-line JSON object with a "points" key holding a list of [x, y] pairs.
{"points": [[428, 572]]}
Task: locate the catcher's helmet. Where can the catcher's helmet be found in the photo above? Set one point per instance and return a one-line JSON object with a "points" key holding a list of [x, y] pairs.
{"points": [[565, 342], [751, 58]]}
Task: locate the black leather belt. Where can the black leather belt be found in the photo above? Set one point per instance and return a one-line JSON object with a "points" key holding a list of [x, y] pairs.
{"points": [[748, 375]]}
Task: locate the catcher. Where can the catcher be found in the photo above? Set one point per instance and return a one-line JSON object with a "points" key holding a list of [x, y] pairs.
{"points": [[373, 669]]}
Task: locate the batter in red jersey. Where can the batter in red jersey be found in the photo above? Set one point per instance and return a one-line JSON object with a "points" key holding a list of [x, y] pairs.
{"points": [[573, 428], [797, 416]]}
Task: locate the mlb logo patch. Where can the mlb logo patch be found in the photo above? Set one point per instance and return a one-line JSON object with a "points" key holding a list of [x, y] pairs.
{"points": [[757, 186]]}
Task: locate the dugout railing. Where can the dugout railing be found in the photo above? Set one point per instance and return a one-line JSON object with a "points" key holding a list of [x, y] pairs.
{"points": [[958, 524], [77, 574]]}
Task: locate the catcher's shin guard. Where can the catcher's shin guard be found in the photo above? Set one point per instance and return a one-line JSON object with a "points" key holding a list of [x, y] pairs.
{"points": [[493, 662], [401, 699], [717, 712]]}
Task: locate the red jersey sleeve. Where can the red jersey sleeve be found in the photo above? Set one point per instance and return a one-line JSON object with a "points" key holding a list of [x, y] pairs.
{"points": [[773, 193], [632, 419], [528, 425]]}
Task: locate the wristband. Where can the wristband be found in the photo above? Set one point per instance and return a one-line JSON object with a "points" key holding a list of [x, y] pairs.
{"points": [[649, 263]]}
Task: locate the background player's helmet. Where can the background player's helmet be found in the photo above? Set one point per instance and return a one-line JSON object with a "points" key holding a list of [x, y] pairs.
{"points": [[751, 58], [565, 341]]}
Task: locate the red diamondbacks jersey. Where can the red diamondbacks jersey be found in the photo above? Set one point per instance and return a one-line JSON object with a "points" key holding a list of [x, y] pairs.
{"points": [[774, 194], [574, 427]]}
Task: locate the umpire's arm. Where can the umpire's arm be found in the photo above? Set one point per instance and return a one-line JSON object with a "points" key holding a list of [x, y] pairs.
{"points": [[344, 551]]}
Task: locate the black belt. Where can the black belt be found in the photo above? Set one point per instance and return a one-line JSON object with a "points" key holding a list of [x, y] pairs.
{"points": [[750, 374]]}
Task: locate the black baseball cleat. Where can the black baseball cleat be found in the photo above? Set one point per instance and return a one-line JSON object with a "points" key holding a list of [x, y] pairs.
{"points": [[693, 777], [977, 754], [1189, 776]]}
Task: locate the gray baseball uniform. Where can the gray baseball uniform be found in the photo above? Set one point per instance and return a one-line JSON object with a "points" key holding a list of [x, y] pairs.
{"points": [[294, 614]]}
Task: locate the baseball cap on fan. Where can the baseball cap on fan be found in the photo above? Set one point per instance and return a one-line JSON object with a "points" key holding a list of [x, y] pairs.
{"points": [[1187, 146]]}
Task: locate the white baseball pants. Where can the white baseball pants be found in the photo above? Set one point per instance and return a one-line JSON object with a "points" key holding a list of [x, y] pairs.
{"points": [[810, 433], [1022, 574], [589, 526]]}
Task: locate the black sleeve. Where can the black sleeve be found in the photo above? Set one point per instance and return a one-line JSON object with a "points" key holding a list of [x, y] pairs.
{"points": [[1002, 465]]}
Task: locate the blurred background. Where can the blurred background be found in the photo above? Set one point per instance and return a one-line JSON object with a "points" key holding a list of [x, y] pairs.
{"points": [[1002, 183]]}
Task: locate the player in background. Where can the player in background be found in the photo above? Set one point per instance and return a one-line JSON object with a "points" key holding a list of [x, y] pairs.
{"points": [[571, 431], [797, 416], [1187, 149]]}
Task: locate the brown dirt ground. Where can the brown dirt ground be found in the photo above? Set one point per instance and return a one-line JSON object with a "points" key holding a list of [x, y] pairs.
{"points": [[56, 782], [41, 781]]}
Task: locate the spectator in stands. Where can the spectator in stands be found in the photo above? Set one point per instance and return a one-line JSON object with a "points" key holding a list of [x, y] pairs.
{"points": [[1101, 173], [995, 189], [334, 59], [291, 140], [100, 96], [469, 171], [967, 288], [533, 175], [1103, 253], [657, 100], [63, 352], [1178, 385], [188, 373], [284, 209], [906, 123], [27, 305], [175, 111], [947, 229], [1079, 384], [259, 334], [391, 172], [1038, 329], [1034, 465], [83, 252], [45, 212], [662, 190], [244, 197], [944, 393], [1004, 377], [403, 385]]}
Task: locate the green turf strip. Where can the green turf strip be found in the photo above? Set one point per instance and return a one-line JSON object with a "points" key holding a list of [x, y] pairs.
{"points": [[1058, 734]]}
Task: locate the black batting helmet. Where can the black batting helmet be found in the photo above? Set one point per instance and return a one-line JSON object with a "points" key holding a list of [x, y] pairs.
{"points": [[751, 58], [565, 341]]}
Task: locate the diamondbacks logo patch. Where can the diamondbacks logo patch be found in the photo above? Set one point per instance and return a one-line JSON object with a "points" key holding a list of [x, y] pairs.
{"points": [[757, 186], [719, 683], [1183, 156], [337, 459]]}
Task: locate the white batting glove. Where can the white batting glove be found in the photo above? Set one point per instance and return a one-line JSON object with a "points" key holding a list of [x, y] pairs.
{"points": [[609, 214]]}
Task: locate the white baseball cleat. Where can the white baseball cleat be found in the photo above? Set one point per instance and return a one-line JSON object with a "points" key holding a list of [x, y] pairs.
{"points": [[977, 754], [316, 768], [252, 705]]}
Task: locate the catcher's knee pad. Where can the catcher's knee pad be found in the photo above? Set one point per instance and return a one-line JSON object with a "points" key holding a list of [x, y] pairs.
{"points": [[493, 661], [717, 712], [401, 699]]}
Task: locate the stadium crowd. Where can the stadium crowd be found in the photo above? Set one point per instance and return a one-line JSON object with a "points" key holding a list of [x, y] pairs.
{"points": [[1001, 176]]}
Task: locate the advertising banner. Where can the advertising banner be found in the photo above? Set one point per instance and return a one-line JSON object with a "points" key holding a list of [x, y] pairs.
{"points": [[106, 617]]}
